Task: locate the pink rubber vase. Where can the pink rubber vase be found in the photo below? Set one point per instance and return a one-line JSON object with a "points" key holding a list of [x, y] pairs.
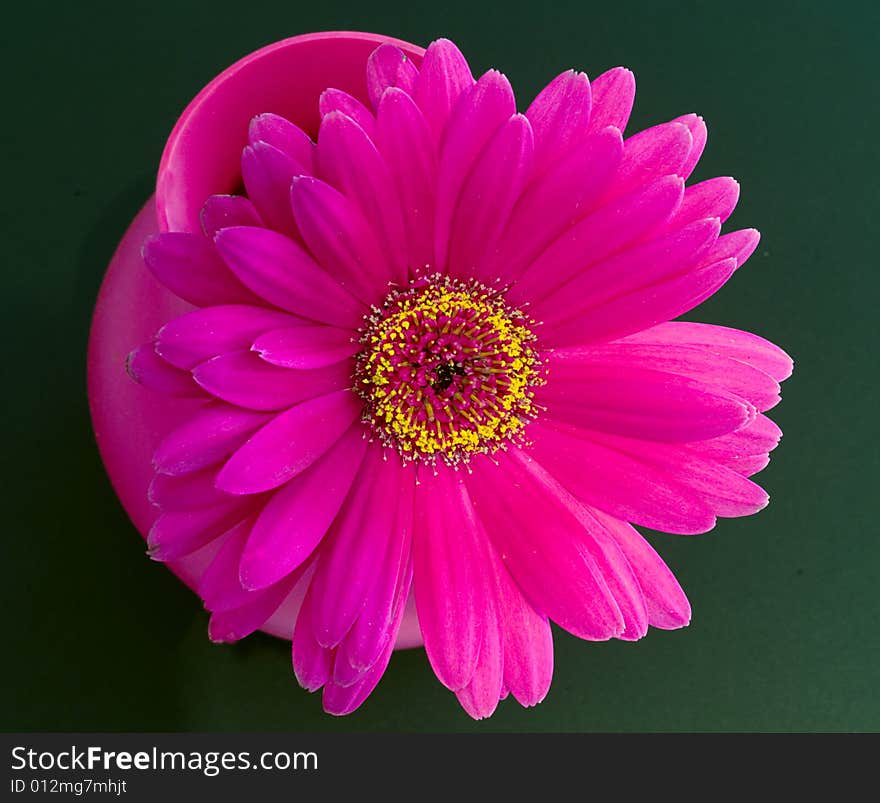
{"points": [[201, 158]]}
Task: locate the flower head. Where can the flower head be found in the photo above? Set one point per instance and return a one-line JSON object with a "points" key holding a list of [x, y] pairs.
{"points": [[436, 357]]}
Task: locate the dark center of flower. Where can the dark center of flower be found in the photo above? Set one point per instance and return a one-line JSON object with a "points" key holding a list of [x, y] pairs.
{"points": [[447, 369]]}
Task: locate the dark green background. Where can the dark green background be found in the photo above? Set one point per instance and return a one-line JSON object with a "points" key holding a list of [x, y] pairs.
{"points": [[785, 629]]}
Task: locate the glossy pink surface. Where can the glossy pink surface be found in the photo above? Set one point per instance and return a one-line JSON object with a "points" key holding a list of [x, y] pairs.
{"points": [[202, 157]]}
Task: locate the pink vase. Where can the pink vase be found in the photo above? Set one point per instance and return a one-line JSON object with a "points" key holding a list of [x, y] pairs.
{"points": [[201, 158]]}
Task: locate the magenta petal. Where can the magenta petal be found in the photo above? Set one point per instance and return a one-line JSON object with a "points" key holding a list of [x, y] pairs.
{"points": [[553, 202], [638, 401], [236, 623], [613, 93], [450, 577], [738, 245], [404, 140], [187, 492], [221, 211], [212, 434], [197, 336], [487, 197], [219, 586], [480, 111], [243, 379], [651, 154], [357, 545], [340, 238], [560, 116], [267, 173], [716, 197], [617, 482], [697, 126], [605, 232], [179, 533], [335, 100], [306, 347], [147, 368], [667, 605], [312, 664], [350, 161], [288, 138], [389, 66], [298, 515], [283, 273], [746, 450], [289, 443], [480, 697], [189, 267], [541, 543], [443, 76]]}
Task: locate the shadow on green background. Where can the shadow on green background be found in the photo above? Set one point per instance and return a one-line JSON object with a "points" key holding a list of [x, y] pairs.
{"points": [[785, 604]]}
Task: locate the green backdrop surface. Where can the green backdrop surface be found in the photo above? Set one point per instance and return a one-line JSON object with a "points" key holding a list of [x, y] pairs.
{"points": [[785, 628]]}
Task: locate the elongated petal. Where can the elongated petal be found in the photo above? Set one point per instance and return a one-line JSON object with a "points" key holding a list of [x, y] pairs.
{"points": [[186, 492], [189, 267], [150, 370], [197, 336], [613, 93], [288, 138], [444, 74], [211, 435], [404, 139], [340, 238], [283, 273], [449, 577], [351, 162], [267, 173], [219, 586], [243, 379], [650, 154], [539, 540], [479, 112], [389, 66], [288, 444], [298, 515], [746, 450], [306, 347], [179, 533], [333, 100], [236, 623], [480, 697], [487, 198], [222, 211], [560, 117], [312, 663], [697, 126], [716, 197]]}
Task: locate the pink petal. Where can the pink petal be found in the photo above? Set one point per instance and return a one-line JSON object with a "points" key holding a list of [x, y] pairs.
{"points": [[479, 112], [289, 443], [283, 273], [298, 515], [340, 239], [236, 623], [212, 434], [598, 236], [389, 66], [404, 140], [649, 155], [697, 126], [738, 245], [243, 379], [540, 542], [350, 161], [187, 492], [739, 450], [616, 482], [189, 267], [219, 586], [357, 545], [554, 201], [480, 697], [716, 197], [487, 197], [613, 93], [450, 577], [667, 605], [221, 211], [306, 347], [560, 116], [332, 100], [147, 368], [312, 664], [197, 336], [637, 267], [179, 533], [443, 76], [268, 173], [285, 136], [638, 402]]}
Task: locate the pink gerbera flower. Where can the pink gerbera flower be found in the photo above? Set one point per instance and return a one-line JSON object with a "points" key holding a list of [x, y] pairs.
{"points": [[435, 355]]}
